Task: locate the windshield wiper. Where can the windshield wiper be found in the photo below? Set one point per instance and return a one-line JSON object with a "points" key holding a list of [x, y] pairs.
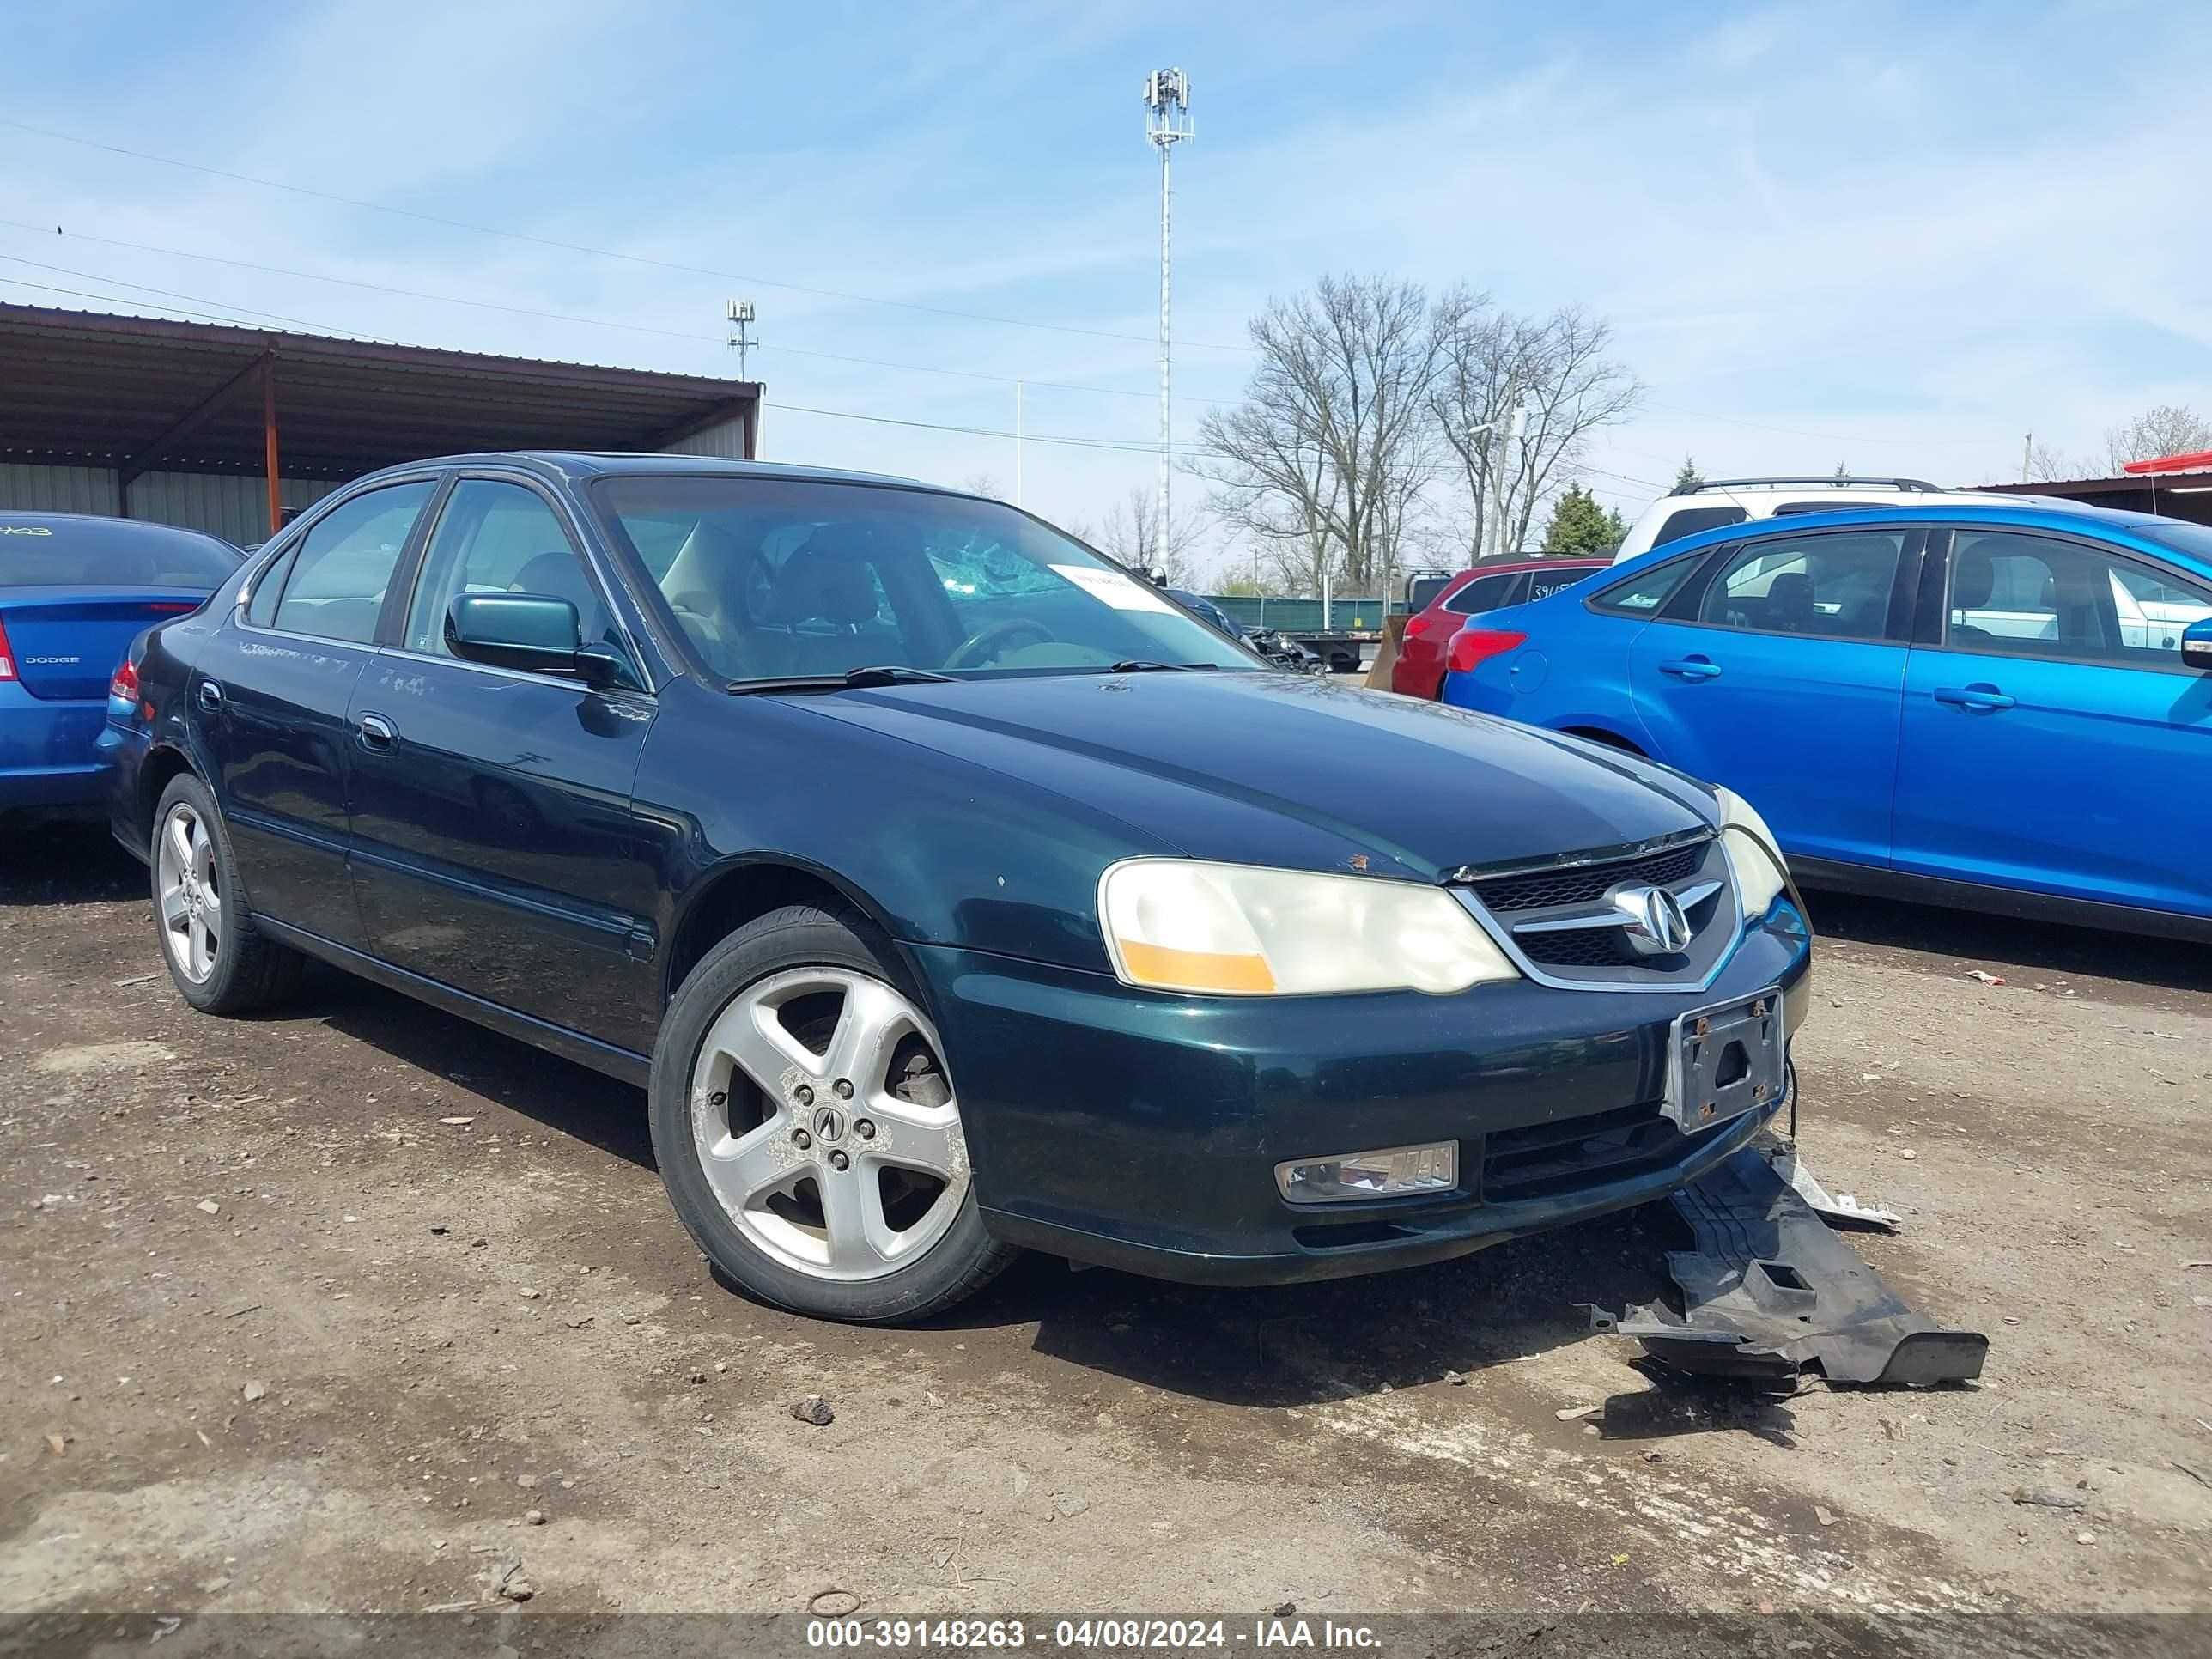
{"points": [[1138, 665], [852, 679]]}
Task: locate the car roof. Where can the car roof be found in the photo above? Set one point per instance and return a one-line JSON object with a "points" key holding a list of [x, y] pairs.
{"points": [[1508, 567], [577, 465], [2024, 513]]}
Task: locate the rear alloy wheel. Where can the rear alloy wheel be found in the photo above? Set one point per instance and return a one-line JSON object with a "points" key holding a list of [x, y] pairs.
{"points": [[220, 961], [806, 1126], [189, 893]]}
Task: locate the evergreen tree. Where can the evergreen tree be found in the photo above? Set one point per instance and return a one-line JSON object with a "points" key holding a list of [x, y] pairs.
{"points": [[1580, 526], [1687, 479]]}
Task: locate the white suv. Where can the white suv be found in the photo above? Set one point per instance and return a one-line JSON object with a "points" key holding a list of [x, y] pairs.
{"points": [[1732, 501]]}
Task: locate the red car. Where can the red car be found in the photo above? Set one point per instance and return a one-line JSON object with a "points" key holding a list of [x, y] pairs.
{"points": [[1420, 670]]}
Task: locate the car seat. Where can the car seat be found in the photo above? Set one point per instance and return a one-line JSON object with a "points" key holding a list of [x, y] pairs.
{"points": [[1790, 607], [558, 576], [1974, 580]]}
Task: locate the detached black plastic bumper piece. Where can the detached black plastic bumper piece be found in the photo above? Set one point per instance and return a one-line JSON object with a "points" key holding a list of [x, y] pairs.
{"points": [[1770, 1291]]}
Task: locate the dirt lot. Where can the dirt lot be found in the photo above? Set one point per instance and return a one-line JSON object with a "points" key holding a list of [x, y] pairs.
{"points": [[344, 1307]]}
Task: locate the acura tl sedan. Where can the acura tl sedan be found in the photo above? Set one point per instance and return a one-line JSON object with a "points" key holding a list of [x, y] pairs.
{"points": [[948, 889]]}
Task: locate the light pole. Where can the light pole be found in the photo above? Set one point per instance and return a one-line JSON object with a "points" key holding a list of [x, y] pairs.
{"points": [[1167, 123]]}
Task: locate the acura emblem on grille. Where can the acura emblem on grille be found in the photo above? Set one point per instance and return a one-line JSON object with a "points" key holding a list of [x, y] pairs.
{"points": [[1653, 920]]}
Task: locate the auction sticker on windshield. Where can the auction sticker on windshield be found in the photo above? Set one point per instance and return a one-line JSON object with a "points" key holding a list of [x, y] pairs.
{"points": [[1111, 586]]}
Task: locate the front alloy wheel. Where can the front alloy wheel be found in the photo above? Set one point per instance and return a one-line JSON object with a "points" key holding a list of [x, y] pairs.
{"points": [[823, 1121], [805, 1121]]}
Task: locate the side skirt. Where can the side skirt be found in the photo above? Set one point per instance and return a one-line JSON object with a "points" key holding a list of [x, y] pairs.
{"points": [[1839, 877], [619, 1063]]}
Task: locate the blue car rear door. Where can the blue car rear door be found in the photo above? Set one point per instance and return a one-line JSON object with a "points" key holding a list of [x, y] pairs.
{"points": [[2053, 740], [1779, 670]]}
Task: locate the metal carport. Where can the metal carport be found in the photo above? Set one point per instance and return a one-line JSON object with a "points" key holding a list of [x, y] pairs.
{"points": [[227, 428]]}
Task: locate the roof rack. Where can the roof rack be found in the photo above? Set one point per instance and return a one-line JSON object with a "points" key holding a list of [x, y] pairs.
{"points": [[1828, 478]]}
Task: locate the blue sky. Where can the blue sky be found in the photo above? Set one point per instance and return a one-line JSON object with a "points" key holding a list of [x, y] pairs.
{"points": [[1896, 237]]}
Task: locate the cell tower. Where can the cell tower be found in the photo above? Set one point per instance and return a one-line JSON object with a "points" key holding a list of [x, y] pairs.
{"points": [[1167, 122]]}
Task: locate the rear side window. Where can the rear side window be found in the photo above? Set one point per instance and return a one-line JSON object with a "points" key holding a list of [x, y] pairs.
{"points": [[67, 552], [1642, 595], [1689, 521], [338, 577], [1542, 584], [1832, 585], [1483, 593]]}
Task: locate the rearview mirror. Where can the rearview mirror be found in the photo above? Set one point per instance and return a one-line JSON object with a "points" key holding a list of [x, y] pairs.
{"points": [[534, 632], [2197, 645]]}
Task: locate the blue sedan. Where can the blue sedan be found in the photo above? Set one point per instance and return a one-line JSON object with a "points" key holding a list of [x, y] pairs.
{"points": [[2003, 707], [74, 589]]}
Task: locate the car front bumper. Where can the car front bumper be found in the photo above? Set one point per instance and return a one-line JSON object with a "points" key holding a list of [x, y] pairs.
{"points": [[1142, 1131]]}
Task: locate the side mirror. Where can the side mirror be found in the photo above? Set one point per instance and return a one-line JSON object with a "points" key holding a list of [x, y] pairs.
{"points": [[530, 631], [1158, 576], [2197, 645]]}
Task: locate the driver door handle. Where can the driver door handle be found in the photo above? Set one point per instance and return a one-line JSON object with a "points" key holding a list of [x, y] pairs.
{"points": [[377, 734], [1983, 697], [1692, 668]]}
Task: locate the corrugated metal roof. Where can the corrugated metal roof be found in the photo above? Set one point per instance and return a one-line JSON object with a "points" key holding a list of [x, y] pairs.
{"points": [[88, 388]]}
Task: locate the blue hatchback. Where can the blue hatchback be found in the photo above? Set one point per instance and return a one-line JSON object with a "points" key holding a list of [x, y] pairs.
{"points": [[2004, 708]]}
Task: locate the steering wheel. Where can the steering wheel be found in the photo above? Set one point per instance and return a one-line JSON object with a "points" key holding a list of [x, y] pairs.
{"points": [[982, 645]]}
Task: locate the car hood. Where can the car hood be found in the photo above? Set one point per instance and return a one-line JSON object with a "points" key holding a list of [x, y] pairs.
{"points": [[1291, 769]]}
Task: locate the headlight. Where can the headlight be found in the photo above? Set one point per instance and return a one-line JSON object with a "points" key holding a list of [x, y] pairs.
{"points": [[1237, 930], [1758, 867]]}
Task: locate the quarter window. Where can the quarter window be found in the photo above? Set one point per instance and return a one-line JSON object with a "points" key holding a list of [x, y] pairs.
{"points": [[496, 538], [338, 577], [1483, 593], [1830, 587], [2038, 596], [1689, 521], [1643, 595]]}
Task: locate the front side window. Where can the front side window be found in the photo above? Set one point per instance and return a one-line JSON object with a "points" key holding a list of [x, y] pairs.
{"points": [[1483, 593], [770, 577], [2029, 595], [1832, 586], [336, 585], [495, 538]]}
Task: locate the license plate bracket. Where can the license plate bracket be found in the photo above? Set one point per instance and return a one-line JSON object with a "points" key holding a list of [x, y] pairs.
{"points": [[1726, 1059]]}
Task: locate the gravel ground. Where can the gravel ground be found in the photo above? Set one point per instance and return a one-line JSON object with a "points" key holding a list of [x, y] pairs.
{"points": [[358, 1306]]}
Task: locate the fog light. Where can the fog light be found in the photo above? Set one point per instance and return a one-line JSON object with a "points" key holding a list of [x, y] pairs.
{"points": [[1355, 1178]]}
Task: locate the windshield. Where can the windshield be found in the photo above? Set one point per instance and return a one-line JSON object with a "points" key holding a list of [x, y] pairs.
{"points": [[2182, 537], [70, 552], [775, 577]]}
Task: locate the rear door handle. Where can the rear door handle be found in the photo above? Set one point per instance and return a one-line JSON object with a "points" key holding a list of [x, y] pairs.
{"points": [[377, 734], [209, 696], [1986, 698], [1692, 668]]}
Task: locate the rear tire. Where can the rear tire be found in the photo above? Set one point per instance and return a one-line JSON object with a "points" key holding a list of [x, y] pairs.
{"points": [[220, 963], [806, 1129]]}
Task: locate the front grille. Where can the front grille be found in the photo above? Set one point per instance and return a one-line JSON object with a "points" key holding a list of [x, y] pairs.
{"points": [[1538, 890], [1579, 947], [1543, 1160]]}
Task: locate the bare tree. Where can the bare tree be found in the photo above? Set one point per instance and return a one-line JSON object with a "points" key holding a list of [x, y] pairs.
{"points": [[1324, 460], [2046, 466], [1132, 533], [984, 483], [1488, 363], [2169, 430]]}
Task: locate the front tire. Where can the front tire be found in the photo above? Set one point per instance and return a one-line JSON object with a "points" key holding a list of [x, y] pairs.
{"points": [[806, 1126], [219, 961]]}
